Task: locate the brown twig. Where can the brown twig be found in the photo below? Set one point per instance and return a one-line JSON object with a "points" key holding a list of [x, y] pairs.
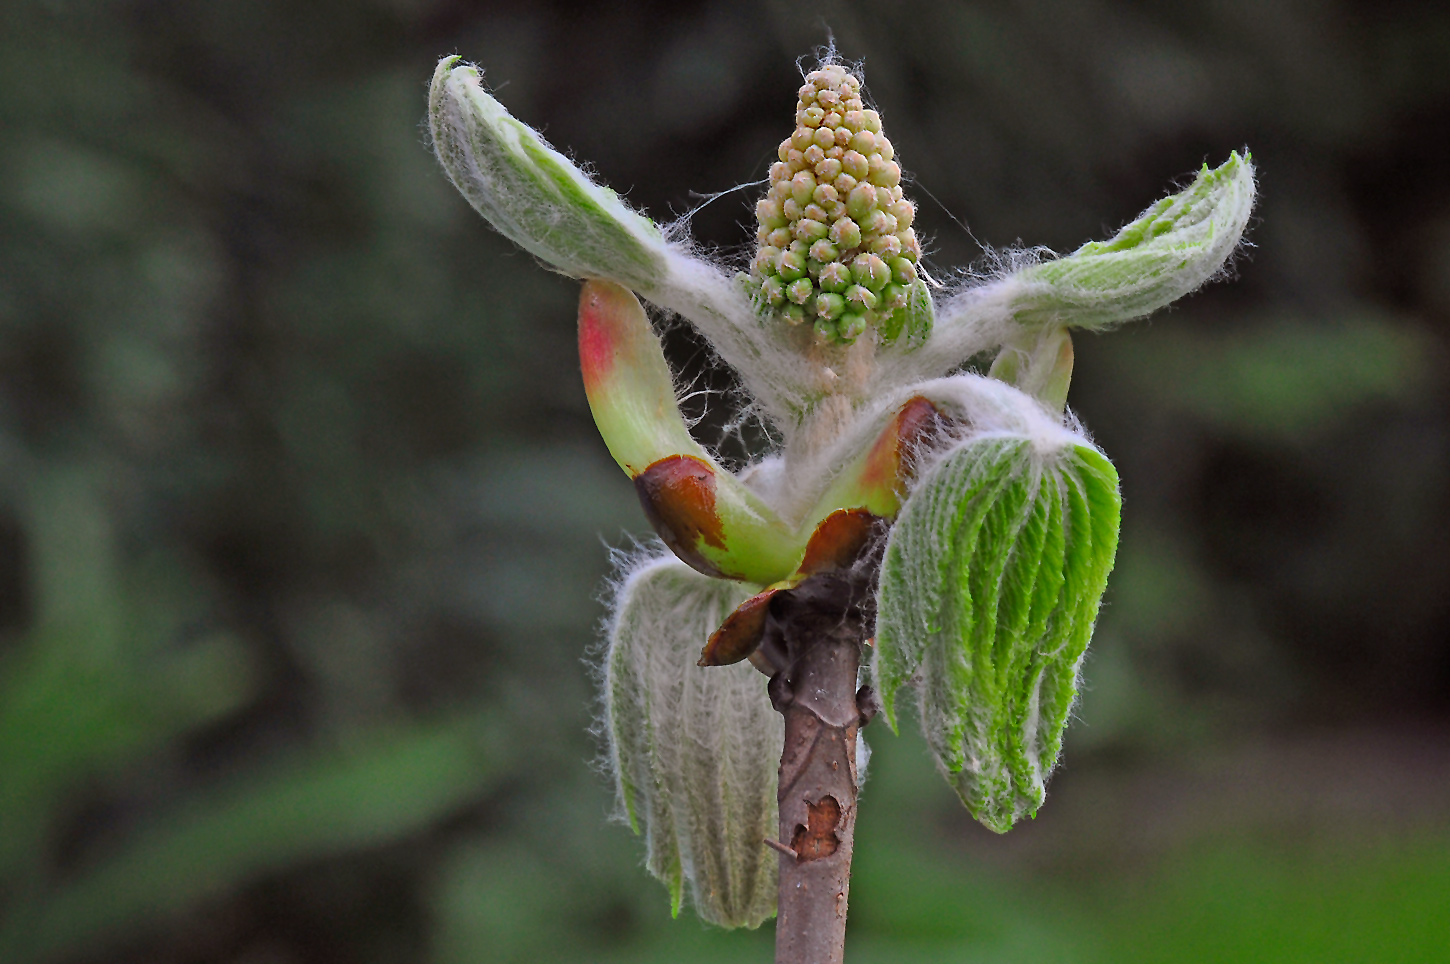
{"points": [[819, 629]]}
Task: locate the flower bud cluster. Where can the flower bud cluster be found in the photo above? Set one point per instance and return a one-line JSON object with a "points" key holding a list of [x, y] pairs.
{"points": [[836, 245]]}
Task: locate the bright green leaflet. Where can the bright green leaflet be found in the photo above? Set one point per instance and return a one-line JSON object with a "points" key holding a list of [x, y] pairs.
{"points": [[990, 586]]}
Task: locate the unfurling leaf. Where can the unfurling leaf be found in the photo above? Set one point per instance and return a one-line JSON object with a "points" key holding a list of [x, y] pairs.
{"points": [[532, 194], [1039, 362], [1168, 251], [694, 750], [989, 589]]}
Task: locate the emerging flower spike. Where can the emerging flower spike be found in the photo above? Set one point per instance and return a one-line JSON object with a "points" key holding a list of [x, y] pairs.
{"points": [[836, 245], [1001, 515]]}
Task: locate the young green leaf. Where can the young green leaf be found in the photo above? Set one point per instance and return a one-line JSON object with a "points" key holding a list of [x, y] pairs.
{"points": [[694, 750], [530, 192], [989, 590], [1168, 251], [1039, 362]]}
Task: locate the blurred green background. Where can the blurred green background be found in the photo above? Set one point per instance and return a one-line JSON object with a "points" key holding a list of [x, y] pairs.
{"points": [[303, 520]]}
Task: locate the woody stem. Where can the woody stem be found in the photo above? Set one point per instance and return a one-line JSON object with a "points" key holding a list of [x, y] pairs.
{"points": [[819, 630]]}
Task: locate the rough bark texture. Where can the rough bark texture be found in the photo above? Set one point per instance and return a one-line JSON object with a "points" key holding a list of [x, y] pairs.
{"points": [[816, 638]]}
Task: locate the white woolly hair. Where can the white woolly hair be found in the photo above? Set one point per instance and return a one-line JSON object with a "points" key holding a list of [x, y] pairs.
{"points": [[997, 753], [693, 750], [512, 176], [792, 482]]}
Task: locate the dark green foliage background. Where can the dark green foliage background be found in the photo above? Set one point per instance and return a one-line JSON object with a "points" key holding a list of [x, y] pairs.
{"points": [[303, 518]]}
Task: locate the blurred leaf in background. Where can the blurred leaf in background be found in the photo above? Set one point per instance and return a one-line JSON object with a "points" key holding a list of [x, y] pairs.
{"points": [[302, 516]]}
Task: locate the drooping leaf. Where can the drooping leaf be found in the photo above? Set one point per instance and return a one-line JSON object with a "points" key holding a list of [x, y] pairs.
{"points": [[989, 590], [694, 750]]}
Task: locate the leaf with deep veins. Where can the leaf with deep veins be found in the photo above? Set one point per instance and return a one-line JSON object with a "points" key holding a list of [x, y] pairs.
{"points": [[989, 590]]}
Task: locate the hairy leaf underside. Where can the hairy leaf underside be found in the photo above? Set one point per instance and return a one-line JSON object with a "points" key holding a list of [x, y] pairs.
{"points": [[694, 750]]}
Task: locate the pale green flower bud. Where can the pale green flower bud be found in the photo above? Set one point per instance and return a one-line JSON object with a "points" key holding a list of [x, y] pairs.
{"points": [[861, 202], [827, 171], [801, 187], [878, 222], [772, 290], [824, 251], [884, 173], [694, 751], [830, 306], [893, 296], [768, 213], [809, 229], [766, 259], [846, 233], [910, 246], [871, 271], [835, 277], [790, 265], [886, 247], [860, 298], [852, 326], [904, 213], [800, 290]]}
